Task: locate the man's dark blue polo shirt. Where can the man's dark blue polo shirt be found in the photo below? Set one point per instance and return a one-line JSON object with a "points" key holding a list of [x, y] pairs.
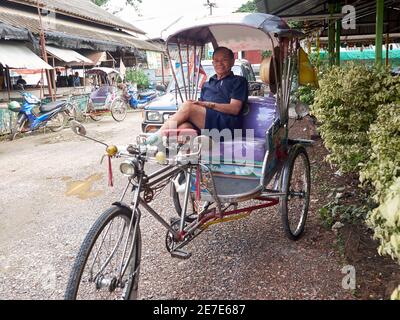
{"points": [[222, 91]]}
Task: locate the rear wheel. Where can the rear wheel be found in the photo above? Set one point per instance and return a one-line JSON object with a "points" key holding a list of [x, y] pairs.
{"points": [[57, 122], [119, 109], [178, 196], [94, 114], [296, 184], [95, 274]]}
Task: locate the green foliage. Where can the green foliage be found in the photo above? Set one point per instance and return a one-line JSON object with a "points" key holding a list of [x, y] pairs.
{"points": [[249, 6], [296, 24], [137, 76], [334, 211], [100, 2], [383, 166], [266, 54], [385, 220], [130, 2], [305, 94], [346, 105]]}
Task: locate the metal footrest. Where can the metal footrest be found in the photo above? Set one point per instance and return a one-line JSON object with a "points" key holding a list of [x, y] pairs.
{"points": [[180, 254]]}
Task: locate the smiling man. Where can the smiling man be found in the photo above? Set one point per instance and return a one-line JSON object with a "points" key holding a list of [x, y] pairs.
{"points": [[221, 101]]}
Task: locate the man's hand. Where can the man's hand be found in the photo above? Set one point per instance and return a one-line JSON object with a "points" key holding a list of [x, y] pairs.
{"points": [[205, 104]]}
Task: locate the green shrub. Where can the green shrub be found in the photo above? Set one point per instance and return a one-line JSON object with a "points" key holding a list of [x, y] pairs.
{"points": [[137, 76], [305, 94], [346, 105], [383, 166], [385, 220]]}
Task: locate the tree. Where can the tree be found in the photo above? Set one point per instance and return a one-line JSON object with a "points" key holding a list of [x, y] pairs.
{"points": [[249, 6], [133, 3]]}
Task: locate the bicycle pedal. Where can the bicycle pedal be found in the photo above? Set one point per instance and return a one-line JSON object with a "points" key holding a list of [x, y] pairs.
{"points": [[180, 254]]}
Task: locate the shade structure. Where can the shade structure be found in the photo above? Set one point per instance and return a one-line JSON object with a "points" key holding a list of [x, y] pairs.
{"points": [[68, 56], [14, 55]]}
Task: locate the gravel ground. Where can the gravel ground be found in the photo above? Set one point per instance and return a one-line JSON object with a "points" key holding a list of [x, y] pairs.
{"points": [[41, 229]]}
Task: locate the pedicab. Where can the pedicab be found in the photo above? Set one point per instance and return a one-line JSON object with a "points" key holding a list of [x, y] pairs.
{"points": [[211, 180], [103, 98]]}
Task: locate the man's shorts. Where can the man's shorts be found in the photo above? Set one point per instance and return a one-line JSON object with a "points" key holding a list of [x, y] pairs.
{"points": [[221, 121]]}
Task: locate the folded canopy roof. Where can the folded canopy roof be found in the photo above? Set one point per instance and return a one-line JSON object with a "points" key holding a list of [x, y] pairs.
{"points": [[237, 31], [68, 56], [14, 55]]}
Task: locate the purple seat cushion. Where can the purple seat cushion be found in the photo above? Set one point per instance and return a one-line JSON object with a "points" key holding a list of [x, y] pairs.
{"points": [[100, 95], [240, 150], [259, 116]]}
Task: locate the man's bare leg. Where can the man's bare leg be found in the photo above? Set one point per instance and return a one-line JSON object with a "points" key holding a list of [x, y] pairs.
{"points": [[187, 113]]}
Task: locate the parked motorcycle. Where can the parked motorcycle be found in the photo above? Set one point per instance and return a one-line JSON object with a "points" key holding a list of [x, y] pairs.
{"points": [[33, 115], [136, 99]]}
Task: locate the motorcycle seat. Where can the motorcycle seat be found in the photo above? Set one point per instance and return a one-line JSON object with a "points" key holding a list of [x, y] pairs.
{"points": [[51, 106]]}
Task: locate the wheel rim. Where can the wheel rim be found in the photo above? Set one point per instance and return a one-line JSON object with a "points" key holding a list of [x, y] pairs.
{"points": [[99, 279], [119, 110], [298, 194], [56, 122]]}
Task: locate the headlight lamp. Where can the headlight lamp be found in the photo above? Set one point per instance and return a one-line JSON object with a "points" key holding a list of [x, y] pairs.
{"points": [[128, 168]]}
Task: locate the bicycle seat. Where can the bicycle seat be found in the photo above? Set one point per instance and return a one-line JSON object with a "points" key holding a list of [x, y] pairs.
{"points": [[51, 106]]}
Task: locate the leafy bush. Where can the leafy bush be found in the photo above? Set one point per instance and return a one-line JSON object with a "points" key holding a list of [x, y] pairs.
{"points": [[346, 105], [305, 94], [139, 77], [385, 220], [384, 165]]}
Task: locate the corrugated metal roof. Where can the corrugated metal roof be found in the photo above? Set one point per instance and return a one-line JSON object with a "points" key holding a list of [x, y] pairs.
{"points": [[16, 55], [84, 9], [67, 55], [60, 26]]}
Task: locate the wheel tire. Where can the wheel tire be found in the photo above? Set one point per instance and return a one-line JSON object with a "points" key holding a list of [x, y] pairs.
{"points": [[92, 114], [13, 134], [119, 109], [71, 112], [290, 184], [131, 278], [62, 118]]}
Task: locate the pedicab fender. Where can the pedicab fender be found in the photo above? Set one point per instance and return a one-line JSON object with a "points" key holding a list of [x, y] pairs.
{"points": [[122, 205]]}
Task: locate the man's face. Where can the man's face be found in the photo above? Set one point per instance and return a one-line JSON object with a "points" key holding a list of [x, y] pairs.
{"points": [[222, 63]]}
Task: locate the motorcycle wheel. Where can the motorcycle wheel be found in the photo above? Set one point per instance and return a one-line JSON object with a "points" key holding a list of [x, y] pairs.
{"points": [[119, 109], [57, 123], [13, 134]]}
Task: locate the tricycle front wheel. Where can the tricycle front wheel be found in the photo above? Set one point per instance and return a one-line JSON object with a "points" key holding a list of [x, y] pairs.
{"points": [[296, 185], [96, 271]]}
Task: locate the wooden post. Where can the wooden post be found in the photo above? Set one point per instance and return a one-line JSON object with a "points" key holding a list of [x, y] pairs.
{"points": [[331, 35], [379, 30], [338, 33], [387, 49], [44, 53], [7, 81]]}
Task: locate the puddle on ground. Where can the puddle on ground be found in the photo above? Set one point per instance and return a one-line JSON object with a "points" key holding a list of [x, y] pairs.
{"points": [[82, 189]]}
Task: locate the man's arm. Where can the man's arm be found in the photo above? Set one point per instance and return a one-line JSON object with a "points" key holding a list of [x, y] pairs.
{"points": [[232, 108]]}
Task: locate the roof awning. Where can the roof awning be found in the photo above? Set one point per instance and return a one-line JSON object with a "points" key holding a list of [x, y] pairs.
{"points": [[97, 57], [68, 56], [16, 55]]}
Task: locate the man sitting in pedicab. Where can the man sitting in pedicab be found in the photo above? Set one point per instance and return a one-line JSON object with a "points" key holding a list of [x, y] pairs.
{"points": [[220, 105]]}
